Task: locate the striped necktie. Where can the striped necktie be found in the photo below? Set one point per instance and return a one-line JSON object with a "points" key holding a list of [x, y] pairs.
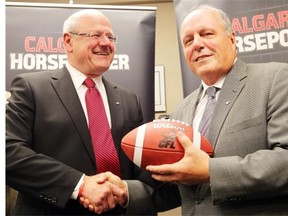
{"points": [[104, 148], [209, 109]]}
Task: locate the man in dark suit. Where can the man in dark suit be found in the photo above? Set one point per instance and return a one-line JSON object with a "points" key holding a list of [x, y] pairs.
{"points": [[248, 174], [49, 153]]}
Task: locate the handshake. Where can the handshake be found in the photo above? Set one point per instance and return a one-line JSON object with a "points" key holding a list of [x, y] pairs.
{"points": [[102, 192]]}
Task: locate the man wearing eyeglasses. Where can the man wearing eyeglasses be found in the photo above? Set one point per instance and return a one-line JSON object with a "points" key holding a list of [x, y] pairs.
{"points": [[49, 143]]}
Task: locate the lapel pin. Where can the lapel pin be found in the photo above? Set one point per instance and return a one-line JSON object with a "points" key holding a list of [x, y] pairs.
{"points": [[117, 102], [227, 102]]}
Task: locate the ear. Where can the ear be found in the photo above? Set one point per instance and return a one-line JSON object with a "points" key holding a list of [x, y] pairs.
{"points": [[233, 40], [68, 42]]}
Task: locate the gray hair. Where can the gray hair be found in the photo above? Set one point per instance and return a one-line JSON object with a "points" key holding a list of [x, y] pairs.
{"points": [[72, 22], [222, 15]]}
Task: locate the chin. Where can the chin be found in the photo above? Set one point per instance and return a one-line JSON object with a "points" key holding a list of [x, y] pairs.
{"points": [[206, 67], [101, 67]]}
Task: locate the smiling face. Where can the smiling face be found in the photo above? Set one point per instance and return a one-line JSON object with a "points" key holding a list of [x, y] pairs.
{"points": [[90, 55], [208, 49]]}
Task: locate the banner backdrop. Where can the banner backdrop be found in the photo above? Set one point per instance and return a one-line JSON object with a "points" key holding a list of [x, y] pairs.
{"points": [[261, 28], [34, 43]]}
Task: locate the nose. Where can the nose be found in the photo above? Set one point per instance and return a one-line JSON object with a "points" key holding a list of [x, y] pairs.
{"points": [[104, 40], [198, 42]]}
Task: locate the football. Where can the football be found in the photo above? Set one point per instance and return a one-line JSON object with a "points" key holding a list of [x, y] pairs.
{"points": [[155, 142]]}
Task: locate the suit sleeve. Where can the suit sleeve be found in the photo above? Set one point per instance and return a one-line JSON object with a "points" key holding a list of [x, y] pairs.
{"points": [[146, 196], [145, 199], [27, 170]]}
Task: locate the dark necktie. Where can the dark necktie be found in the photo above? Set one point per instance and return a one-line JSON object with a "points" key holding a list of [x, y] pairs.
{"points": [[104, 149], [201, 189], [209, 109]]}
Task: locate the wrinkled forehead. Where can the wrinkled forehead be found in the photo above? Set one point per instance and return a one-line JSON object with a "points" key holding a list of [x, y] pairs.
{"points": [[199, 17]]}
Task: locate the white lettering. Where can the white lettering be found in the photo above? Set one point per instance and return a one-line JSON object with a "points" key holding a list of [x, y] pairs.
{"points": [[29, 61], [120, 62], [284, 38], [20, 61], [262, 41], [168, 125]]}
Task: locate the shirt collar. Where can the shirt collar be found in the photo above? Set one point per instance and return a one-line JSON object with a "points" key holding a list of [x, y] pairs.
{"points": [[78, 78], [218, 84]]}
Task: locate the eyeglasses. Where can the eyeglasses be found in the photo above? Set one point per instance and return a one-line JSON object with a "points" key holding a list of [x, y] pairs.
{"points": [[96, 36]]}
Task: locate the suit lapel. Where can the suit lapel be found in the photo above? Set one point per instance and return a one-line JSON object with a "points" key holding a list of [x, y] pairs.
{"points": [[65, 89], [116, 107], [194, 102], [187, 112], [231, 88]]}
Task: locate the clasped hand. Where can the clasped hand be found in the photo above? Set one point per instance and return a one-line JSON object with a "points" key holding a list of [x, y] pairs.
{"points": [[102, 192], [193, 168]]}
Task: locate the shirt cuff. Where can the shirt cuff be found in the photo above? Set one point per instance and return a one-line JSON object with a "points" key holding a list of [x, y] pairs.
{"points": [[75, 193], [127, 195]]}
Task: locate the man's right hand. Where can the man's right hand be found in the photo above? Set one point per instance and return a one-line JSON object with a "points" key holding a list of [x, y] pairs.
{"points": [[103, 192]]}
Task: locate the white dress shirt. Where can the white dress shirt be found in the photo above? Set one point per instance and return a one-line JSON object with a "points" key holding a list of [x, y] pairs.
{"points": [[78, 79], [203, 100]]}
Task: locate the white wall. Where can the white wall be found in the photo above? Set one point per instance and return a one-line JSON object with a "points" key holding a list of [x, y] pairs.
{"points": [[167, 54]]}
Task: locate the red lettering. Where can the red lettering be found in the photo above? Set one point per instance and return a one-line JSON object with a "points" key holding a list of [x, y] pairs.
{"points": [[236, 26], [271, 21], [245, 25], [27, 46], [60, 45], [260, 22], [283, 18], [50, 45], [258, 25], [41, 45], [44, 44]]}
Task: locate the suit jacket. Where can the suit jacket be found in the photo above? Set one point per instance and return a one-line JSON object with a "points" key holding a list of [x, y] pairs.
{"points": [[249, 132], [48, 146]]}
